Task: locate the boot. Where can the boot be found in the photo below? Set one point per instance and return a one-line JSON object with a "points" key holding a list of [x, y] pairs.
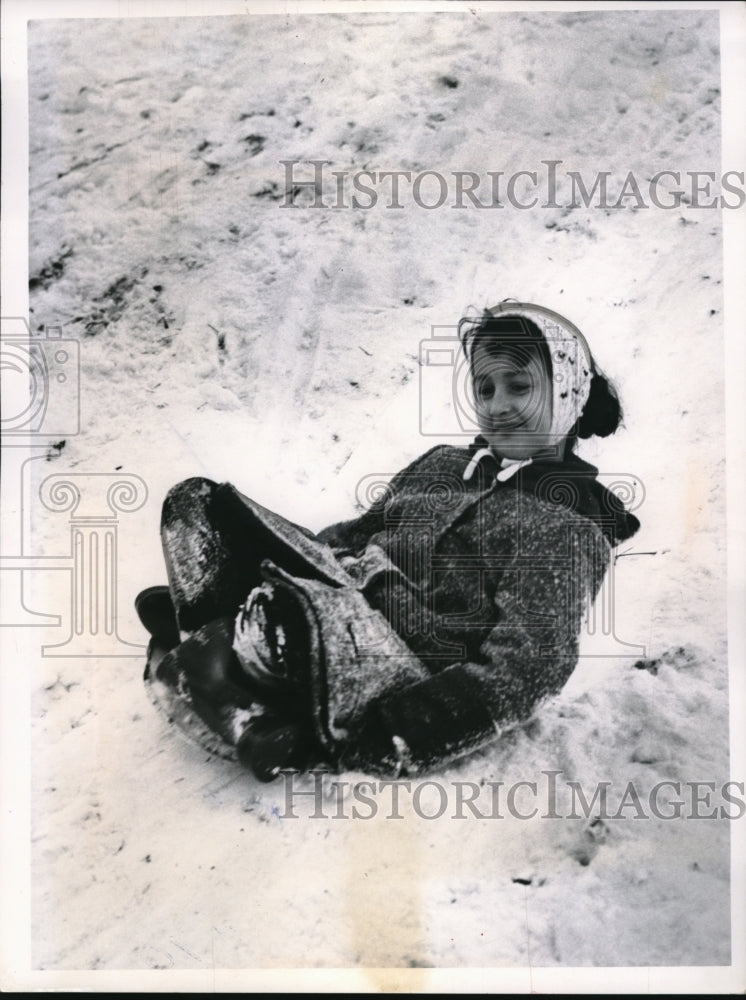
{"points": [[200, 687], [156, 612]]}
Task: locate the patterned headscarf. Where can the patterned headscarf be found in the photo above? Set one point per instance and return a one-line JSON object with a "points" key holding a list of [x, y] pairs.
{"points": [[572, 367]]}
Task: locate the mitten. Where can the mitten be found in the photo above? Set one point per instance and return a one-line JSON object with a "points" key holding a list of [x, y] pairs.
{"points": [[373, 748], [282, 746]]}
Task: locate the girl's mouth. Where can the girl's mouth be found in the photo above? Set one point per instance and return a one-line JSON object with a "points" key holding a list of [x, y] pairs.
{"points": [[505, 428]]}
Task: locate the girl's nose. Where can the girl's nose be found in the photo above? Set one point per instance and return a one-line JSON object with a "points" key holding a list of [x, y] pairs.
{"points": [[500, 405]]}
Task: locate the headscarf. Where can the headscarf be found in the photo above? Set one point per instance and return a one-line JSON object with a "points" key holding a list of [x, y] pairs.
{"points": [[571, 372], [572, 367]]}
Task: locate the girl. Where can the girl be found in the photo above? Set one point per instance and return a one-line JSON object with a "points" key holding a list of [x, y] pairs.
{"points": [[420, 630]]}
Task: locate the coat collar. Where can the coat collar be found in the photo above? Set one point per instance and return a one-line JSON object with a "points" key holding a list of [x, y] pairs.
{"points": [[571, 483]]}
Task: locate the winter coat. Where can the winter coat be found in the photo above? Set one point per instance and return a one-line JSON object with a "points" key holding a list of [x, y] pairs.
{"points": [[487, 583], [436, 619]]}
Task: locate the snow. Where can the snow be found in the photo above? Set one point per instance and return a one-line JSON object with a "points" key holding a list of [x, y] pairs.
{"points": [[224, 335]]}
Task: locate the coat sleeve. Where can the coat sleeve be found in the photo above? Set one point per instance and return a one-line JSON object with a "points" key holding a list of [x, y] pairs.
{"points": [[528, 655], [351, 537]]}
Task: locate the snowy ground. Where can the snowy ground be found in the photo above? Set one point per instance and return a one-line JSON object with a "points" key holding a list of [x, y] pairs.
{"points": [[223, 335]]}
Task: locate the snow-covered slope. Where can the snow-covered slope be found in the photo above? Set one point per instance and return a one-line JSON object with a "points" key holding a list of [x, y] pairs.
{"points": [[223, 334]]}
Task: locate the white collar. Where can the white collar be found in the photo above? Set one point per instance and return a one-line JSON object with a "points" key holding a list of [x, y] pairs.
{"points": [[508, 466]]}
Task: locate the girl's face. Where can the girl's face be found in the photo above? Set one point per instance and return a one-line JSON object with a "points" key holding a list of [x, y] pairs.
{"points": [[513, 403]]}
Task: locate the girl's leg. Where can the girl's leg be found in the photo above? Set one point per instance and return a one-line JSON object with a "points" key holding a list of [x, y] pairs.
{"points": [[211, 558], [215, 541], [214, 546]]}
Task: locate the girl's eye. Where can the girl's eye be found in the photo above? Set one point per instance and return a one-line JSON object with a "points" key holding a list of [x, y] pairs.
{"points": [[485, 388], [519, 388]]}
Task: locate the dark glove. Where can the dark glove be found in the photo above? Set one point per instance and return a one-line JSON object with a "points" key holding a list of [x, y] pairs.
{"points": [[284, 746], [374, 749]]}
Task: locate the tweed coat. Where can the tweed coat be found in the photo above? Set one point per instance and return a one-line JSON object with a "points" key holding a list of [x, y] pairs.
{"points": [[434, 620], [487, 582]]}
